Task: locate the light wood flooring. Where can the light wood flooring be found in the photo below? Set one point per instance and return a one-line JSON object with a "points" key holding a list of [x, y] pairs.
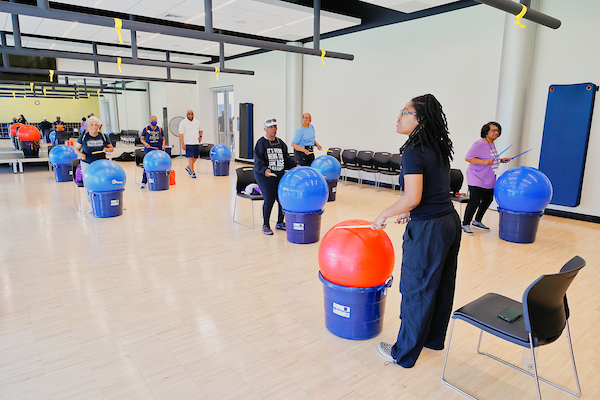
{"points": [[172, 300]]}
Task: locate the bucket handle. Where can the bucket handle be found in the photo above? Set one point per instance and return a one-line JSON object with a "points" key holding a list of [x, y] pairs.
{"points": [[387, 284]]}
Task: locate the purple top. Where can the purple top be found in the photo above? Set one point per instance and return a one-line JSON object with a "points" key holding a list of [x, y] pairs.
{"points": [[480, 175]]}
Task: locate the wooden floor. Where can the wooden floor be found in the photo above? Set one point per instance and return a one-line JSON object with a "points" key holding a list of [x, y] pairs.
{"points": [[173, 300]]}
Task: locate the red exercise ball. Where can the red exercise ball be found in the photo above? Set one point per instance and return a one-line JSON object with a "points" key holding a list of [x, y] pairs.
{"points": [[14, 128], [29, 133], [356, 257]]}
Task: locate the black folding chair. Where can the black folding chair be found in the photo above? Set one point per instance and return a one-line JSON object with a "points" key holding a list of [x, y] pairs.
{"points": [[349, 162], [393, 170], [139, 163], [545, 315], [456, 182], [245, 176], [380, 162], [364, 158], [335, 152]]}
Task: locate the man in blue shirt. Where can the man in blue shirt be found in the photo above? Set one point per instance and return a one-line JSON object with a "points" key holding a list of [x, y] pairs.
{"points": [[304, 142], [152, 138]]}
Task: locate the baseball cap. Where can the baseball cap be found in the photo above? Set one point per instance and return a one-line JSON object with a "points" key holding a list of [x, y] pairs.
{"points": [[270, 122]]}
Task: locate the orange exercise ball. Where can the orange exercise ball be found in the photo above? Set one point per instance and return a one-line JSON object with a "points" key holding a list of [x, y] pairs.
{"points": [[29, 133], [356, 257], [14, 128]]}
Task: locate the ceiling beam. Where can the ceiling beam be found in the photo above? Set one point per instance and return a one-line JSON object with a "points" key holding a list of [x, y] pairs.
{"points": [[515, 8], [62, 15]]}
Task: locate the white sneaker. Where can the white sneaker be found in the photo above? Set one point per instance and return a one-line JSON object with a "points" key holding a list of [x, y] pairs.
{"points": [[142, 186], [385, 349], [90, 210], [466, 229]]}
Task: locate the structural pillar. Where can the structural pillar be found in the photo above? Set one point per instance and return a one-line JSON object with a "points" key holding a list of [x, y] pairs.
{"points": [[293, 93]]}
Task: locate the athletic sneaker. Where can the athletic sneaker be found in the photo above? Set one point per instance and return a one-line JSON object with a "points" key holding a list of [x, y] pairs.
{"points": [[142, 186], [194, 175], [189, 171], [90, 210], [466, 229], [266, 230], [479, 225], [280, 226], [385, 349]]}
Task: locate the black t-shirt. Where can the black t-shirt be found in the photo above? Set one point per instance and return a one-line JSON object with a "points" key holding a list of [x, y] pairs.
{"points": [[435, 200], [272, 155], [92, 144]]}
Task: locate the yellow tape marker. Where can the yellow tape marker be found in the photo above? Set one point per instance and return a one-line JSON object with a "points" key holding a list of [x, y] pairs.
{"points": [[119, 64], [31, 86], [14, 95], [118, 26], [323, 55], [51, 74], [521, 15], [217, 70], [98, 91], [44, 91], [73, 97]]}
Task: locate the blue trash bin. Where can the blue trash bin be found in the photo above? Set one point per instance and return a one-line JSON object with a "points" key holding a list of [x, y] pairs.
{"points": [[303, 228], [352, 312], [107, 204], [221, 168], [63, 173], [519, 227], [159, 180]]}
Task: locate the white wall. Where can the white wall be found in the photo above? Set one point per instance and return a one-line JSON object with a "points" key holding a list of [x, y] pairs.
{"points": [[566, 56]]}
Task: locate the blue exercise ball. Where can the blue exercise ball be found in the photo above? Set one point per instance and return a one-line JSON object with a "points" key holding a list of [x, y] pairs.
{"points": [[52, 136], [157, 161], [302, 190], [220, 152], [523, 189], [328, 166], [62, 155], [104, 176]]}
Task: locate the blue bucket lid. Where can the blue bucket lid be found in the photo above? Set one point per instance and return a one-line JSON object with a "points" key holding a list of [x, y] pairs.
{"points": [[332, 285]]}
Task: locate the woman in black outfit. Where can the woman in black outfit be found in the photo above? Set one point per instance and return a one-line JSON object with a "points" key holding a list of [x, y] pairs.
{"points": [[432, 237], [271, 158]]}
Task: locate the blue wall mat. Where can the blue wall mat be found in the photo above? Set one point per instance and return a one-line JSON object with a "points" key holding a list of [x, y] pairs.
{"points": [[565, 141]]}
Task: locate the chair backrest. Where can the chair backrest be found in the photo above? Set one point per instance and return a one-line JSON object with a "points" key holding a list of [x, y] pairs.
{"points": [[349, 156], [364, 158], [545, 303], [456, 180], [396, 162], [139, 157], [381, 160], [335, 152], [205, 150], [245, 176]]}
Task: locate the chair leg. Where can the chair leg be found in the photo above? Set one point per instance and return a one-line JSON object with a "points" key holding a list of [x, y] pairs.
{"points": [[235, 211], [444, 366], [534, 361], [573, 361]]}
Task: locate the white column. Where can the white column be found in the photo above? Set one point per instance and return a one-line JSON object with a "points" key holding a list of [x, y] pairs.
{"points": [[515, 66], [293, 94]]}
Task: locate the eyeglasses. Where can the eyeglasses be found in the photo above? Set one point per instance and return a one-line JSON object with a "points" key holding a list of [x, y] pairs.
{"points": [[270, 121], [402, 112]]}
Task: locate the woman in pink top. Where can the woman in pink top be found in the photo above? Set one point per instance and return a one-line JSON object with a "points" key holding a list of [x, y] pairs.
{"points": [[481, 176]]}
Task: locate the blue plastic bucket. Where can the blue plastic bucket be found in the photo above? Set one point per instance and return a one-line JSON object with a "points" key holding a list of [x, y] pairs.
{"points": [[303, 228], [352, 312], [221, 168], [63, 173], [158, 180], [519, 227], [107, 204], [332, 190]]}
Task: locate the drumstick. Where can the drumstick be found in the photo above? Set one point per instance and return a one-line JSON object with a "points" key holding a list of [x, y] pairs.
{"points": [[272, 175], [98, 152], [313, 152], [361, 226], [502, 152], [519, 155]]}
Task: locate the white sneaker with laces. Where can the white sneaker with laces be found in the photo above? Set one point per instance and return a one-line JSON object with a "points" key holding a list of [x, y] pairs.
{"points": [[385, 349]]}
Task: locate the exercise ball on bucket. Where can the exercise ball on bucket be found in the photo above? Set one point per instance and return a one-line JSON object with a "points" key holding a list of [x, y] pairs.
{"points": [[302, 193], [522, 194], [220, 155], [53, 137], [157, 164], [29, 136], [105, 181], [61, 157], [356, 268], [331, 170]]}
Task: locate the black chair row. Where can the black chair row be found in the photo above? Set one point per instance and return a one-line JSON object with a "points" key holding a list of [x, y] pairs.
{"points": [[367, 162]]}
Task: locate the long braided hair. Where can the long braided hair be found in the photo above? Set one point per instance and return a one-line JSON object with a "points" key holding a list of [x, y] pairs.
{"points": [[432, 129]]}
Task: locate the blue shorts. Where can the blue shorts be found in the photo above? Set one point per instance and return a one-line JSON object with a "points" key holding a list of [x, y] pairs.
{"points": [[192, 150]]}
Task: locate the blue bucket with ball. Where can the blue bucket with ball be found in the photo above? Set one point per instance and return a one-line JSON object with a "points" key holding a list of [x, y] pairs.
{"points": [[519, 227], [220, 155], [107, 204], [63, 173], [158, 180], [221, 168], [303, 228], [354, 312]]}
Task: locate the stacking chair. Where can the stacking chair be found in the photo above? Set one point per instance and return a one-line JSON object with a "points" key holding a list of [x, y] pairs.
{"points": [[205, 149], [456, 182], [381, 162], [245, 176], [139, 163], [76, 185], [364, 159], [335, 152], [393, 169], [545, 316], [349, 162]]}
